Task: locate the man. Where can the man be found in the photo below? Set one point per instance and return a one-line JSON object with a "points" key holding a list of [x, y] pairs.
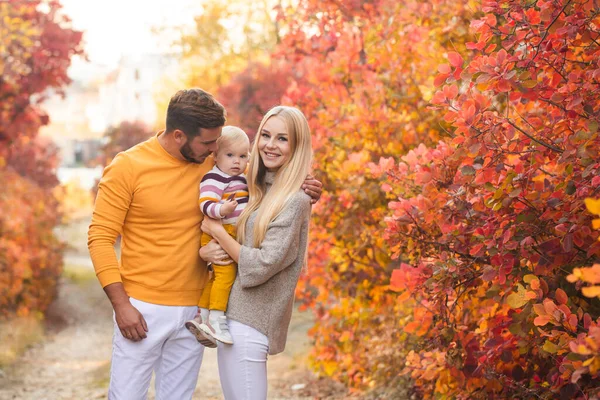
{"points": [[149, 195]]}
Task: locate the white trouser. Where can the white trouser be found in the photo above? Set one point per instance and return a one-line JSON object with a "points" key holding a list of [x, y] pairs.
{"points": [[243, 365], [169, 349]]}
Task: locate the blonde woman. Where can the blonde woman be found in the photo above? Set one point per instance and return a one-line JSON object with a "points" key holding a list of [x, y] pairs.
{"points": [[273, 230]]}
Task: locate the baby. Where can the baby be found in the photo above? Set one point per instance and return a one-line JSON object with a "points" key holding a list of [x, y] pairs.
{"points": [[223, 195]]}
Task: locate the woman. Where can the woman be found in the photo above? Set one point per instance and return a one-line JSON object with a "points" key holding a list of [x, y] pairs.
{"points": [[273, 230]]}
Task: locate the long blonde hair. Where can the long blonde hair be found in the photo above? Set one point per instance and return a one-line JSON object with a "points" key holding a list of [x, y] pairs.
{"points": [[288, 179]]}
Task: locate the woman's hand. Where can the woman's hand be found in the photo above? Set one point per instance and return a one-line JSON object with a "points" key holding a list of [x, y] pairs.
{"points": [[212, 252], [212, 227]]}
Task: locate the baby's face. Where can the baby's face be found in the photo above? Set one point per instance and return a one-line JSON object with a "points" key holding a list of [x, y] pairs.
{"points": [[233, 159]]}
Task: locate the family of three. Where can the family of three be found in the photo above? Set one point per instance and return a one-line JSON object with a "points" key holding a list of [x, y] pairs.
{"points": [[211, 247]]}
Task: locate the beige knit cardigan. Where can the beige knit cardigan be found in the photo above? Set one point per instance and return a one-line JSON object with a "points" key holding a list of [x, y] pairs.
{"points": [[262, 295]]}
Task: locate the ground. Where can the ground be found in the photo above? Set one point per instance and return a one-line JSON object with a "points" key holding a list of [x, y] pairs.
{"points": [[73, 359]]}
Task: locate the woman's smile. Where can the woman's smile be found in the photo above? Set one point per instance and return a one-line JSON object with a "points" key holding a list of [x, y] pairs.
{"points": [[271, 155], [273, 143]]}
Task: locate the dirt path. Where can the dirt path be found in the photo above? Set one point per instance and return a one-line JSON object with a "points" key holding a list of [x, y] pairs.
{"points": [[73, 361]]}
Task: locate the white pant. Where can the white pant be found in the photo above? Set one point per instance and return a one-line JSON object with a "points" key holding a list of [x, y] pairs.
{"points": [[169, 349], [243, 365]]}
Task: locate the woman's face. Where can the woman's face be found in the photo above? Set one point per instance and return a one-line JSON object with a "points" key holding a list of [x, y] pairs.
{"points": [[274, 143]]}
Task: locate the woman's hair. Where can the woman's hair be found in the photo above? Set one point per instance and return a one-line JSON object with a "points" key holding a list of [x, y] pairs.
{"points": [[289, 177], [232, 135]]}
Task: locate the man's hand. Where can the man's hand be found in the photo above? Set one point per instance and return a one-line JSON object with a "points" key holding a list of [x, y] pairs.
{"points": [[131, 322], [228, 207], [313, 188], [212, 252]]}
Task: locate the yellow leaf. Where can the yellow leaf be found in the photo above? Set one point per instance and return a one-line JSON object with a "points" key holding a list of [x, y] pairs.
{"points": [[539, 178], [550, 347], [575, 276], [530, 83], [591, 291], [591, 274], [519, 299], [593, 363], [593, 205]]}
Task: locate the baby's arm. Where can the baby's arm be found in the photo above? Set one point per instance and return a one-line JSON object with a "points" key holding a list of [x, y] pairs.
{"points": [[211, 193], [228, 206]]}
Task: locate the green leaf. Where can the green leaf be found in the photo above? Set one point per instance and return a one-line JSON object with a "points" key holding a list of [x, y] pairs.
{"points": [[569, 169], [516, 192], [467, 170], [583, 135], [526, 217], [515, 329]]}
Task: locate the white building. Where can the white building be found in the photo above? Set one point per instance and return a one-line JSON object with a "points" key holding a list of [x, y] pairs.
{"points": [[106, 98]]}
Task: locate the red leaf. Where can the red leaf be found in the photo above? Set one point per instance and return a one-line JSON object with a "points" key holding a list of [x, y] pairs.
{"points": [[561, 296], [455, 59], [444, 69], [568, 243], [440, 79], [475, 250]]}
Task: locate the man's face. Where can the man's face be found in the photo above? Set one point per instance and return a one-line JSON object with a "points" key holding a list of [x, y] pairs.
{"points": [[200, 147]]}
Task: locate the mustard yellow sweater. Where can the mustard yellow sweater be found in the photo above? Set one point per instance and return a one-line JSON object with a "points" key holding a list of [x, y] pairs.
{"points": [[151, 199]]}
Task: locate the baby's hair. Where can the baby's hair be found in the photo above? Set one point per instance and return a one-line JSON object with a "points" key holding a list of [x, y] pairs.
{"points": [[232, 135]]}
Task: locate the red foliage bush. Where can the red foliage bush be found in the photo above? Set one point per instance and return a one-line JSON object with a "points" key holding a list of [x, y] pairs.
{"points": [[38, 49]]}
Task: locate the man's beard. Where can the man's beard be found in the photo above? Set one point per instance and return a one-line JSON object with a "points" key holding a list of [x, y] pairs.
{"points": [[187, 153]]}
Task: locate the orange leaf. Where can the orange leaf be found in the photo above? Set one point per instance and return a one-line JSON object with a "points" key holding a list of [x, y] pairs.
{"points": [[541, 320], [396, 282], [412, 327]]}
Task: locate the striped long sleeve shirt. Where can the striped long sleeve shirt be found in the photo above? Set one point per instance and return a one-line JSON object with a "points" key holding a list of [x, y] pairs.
{"points": [[215, 189]]}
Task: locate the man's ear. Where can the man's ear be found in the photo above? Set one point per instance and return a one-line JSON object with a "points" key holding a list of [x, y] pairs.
{"points": [[179, 136]]}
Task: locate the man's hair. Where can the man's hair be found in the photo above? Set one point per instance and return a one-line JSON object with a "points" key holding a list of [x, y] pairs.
{"points": [[192, 109], [232, 135]]}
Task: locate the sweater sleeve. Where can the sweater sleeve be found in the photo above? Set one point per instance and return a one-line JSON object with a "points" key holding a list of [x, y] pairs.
{"points": [[211, 193], [115, 192], [279, 249]]}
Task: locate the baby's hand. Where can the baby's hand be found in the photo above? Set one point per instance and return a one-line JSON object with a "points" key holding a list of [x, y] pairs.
{"points": [[228, 207]]}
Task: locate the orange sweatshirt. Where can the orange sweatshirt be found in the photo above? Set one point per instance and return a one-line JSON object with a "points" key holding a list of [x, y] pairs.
{"points": [[151, 199]]}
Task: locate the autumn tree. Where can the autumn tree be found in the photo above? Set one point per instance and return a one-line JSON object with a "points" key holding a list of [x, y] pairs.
{"points": [[363, 75], [36, 46], [252, 92], [489, 226], [227, 38]]}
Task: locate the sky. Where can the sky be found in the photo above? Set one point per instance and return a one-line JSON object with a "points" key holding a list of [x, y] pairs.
{"points": [[113, 28]]}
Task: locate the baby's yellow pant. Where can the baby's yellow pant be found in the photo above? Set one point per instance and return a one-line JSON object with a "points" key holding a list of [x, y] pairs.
{"points": [[216, 292]]}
